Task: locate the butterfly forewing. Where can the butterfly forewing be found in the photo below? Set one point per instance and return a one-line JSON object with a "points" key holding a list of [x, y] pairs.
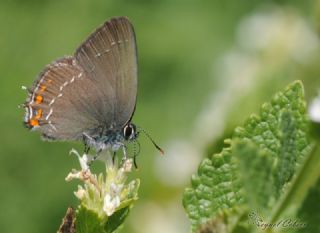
{"points": [[109, 57]]}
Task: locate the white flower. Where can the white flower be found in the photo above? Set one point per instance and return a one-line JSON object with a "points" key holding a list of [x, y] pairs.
{"points": [[127, 165], [314, 110], [115, 189], [84, 160], [110, 204], [80, 193], [73, 175], [104, 193]]}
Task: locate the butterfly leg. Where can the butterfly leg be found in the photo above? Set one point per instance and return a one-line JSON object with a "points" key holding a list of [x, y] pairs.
{"points": [[135, 153], [94, 157], [114, 157], [86, 148], [124, 150], [97, 155], [135, 161], [116, 146], [87, 140]]}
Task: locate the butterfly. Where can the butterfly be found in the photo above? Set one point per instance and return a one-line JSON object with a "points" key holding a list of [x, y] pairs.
{"points": [[90, 96]]}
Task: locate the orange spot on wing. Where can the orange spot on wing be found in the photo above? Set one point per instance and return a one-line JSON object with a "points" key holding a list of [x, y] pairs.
{"points": [[43, 88], [49, 81], [39, 114], [39, 99], [34, 122]]}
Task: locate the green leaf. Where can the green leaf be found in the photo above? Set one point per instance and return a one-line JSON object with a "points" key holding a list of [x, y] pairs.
{"points": [[260, 164], [309, 211], [255, 169], [116, 220], [88, 221], [280, 130], [214, 188]]}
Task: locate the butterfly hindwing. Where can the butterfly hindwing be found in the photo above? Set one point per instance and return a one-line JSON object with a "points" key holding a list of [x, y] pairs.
{"points": [[59, 104]]}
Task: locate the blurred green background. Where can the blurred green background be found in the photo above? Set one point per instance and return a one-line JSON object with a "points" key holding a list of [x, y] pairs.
{"points": [[204, 66]]}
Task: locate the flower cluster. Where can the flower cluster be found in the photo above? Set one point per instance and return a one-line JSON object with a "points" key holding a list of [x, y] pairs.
{"points": [[106, 193]]}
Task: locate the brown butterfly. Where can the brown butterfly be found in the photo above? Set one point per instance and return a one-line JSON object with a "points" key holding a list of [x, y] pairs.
{"points": [[90, 96]]}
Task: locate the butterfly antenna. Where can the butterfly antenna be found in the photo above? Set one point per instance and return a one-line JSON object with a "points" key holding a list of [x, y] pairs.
{"points": [[153, 142]]}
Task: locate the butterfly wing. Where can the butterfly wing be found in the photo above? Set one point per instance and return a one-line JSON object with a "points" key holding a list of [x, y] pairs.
{"points": [[60, 102], [93, 91], [109, 57]]}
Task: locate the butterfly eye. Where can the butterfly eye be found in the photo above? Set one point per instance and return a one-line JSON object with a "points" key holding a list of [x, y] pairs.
{"points": [[129, 132]]}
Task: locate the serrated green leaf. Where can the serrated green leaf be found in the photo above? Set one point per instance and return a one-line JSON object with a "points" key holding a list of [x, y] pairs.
{"points": [[255, 169], [88, 221], [277, 139], [218, 224], [281, 131], [214, 188]]}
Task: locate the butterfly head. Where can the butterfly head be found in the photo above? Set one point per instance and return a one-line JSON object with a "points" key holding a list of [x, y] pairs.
{"points": [[130, 132]]}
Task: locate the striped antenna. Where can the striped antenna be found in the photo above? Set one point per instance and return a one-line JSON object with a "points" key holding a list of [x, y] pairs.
{"points": [[150, 138]]}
